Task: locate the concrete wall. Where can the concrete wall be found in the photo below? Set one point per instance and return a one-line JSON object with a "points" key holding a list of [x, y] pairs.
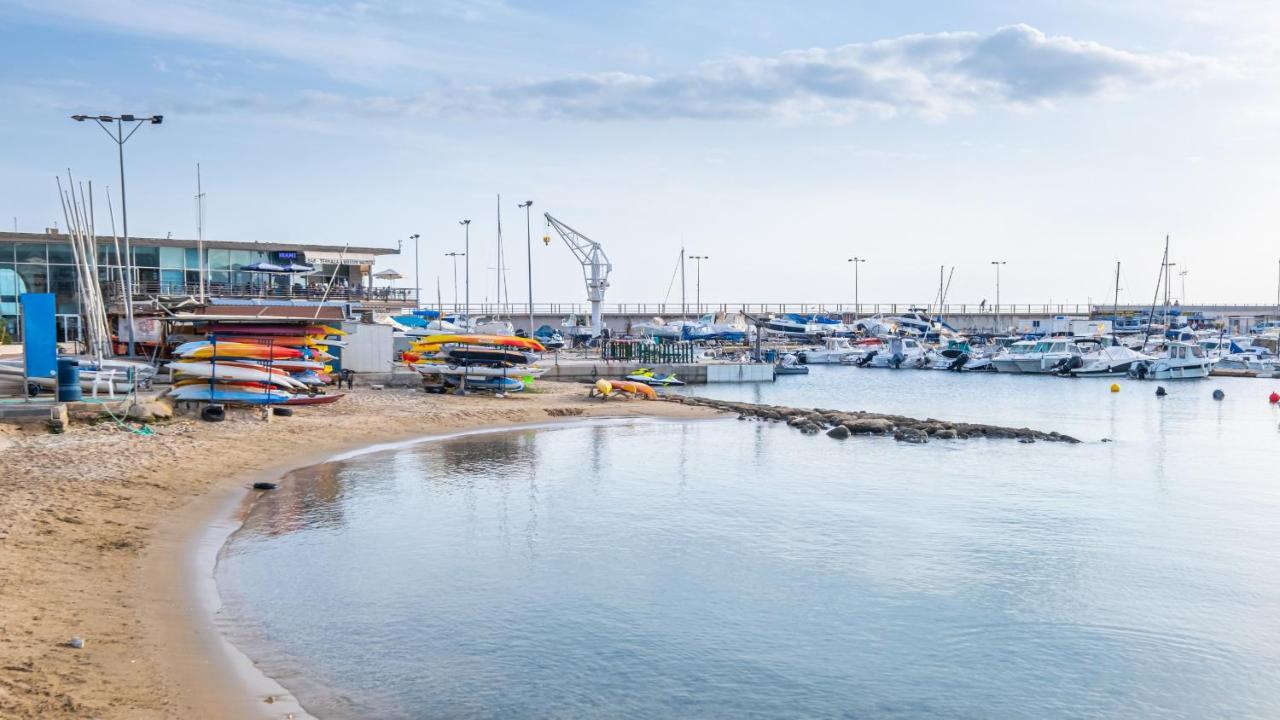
{"points": [[369, 348]]}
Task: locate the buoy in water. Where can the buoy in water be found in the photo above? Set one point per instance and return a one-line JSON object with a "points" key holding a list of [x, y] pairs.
{"points": [[1115, 387], [1218, 394], [1275, 398], [1160, 391]]}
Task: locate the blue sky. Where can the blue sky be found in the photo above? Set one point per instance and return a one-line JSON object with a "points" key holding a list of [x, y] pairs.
{"points": [[778, 140]]}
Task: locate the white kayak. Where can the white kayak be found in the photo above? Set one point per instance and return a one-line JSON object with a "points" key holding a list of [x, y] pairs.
{"points": [[236, 371]]}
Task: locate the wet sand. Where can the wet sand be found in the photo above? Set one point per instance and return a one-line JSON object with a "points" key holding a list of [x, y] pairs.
{"points": [[110, 536]]}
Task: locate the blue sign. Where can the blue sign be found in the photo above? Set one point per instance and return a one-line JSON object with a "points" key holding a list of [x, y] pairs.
{"points": [[39, 334], [287, 255]]}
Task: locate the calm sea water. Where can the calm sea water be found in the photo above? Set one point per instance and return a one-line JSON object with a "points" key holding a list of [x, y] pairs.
{"points": [[727, 569]]}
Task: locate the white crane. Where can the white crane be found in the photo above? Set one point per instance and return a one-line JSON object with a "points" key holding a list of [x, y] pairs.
{"points": [[595, 267]]}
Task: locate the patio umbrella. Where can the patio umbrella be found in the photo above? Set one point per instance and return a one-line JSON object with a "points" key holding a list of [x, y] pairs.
{"points": [[389, 275]]}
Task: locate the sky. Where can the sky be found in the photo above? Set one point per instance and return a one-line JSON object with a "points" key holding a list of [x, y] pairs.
{"points": [[777, 139]]}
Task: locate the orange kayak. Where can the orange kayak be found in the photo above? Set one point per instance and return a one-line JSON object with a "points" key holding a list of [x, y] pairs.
{"points": [[635, 388]]}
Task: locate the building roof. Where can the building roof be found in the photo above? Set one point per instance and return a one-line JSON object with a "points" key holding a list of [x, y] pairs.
{"points": [[209, 244]]}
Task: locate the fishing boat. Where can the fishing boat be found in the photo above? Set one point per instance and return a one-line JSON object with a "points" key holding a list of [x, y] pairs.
{"points": [[1109, 361], [789, 364], [1179, 361], [957, 355], [1049, 355], [898, 352], [834, 350], [1006, 361]]}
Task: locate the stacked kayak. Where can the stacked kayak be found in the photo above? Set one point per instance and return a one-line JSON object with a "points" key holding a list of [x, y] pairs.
{"points": [[256, 365], [500, 363]]}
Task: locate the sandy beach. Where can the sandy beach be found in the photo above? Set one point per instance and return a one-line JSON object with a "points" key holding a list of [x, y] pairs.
{"points": [[98, 528]]}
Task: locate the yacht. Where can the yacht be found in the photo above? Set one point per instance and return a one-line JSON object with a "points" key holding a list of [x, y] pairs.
{"points": [[835, 350], [1049, 355], [796, 325], [658, 328], [1180, 360], [1006, 361]]}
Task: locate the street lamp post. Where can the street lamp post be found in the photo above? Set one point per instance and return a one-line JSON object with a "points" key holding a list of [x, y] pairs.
{"points": [[856, 262], [466, 252], [417, 272], [528, 246], [698, 282], [119, 138], [455, 256], [998, 263]]}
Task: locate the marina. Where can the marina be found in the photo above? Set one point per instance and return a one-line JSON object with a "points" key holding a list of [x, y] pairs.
{"points": [[856, 361]]}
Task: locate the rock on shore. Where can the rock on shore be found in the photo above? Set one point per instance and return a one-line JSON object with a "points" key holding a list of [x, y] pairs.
{"points": [[840, 424]]}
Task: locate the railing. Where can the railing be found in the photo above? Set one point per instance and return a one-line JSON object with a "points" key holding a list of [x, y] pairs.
{"points": [[849, 310], [392, 296]]}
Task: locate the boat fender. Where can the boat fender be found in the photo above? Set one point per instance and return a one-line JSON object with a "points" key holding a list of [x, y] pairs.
{"points": [[213, 413], [1160, 391], [264, 486], [1218, 394]]}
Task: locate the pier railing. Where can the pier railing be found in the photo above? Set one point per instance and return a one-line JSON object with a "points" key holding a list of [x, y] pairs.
{"points": [[392, 296], [676, 310]]}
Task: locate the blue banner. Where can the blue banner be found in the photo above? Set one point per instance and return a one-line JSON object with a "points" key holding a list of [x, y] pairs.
{"points": [[39, 334]]}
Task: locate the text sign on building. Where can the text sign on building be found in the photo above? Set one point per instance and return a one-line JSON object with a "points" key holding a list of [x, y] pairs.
{"points": [[337, 258]]}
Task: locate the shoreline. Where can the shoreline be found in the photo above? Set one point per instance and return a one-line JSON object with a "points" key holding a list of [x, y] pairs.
{"points": [[137, 535]]}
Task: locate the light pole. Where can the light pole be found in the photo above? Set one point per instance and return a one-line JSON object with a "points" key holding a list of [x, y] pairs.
{"points": [[119, 138], [528, 247], [856, 262], [417, 272], [466, 224], [998, 263], [455, 256], [698, 282]]}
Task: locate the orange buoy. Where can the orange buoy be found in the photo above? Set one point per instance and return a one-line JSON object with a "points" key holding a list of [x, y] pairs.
{"points": [[1115, 387]]}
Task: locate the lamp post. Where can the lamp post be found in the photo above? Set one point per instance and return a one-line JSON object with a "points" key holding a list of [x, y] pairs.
{"points": [[528, 246], [698, 282], [417, 272], [455, 256], [466, 224], [856, 262], [998, 263], [119, 138]]}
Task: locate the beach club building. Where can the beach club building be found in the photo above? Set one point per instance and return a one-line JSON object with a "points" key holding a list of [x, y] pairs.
{"points": [[167, 270]]}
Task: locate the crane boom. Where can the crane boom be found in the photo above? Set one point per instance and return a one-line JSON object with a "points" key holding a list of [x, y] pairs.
{"points": [[595, 267]]}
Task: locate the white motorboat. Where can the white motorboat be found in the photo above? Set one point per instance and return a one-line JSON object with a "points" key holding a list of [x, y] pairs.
{"points": [[658, 328], [1049, 355], [1179, 361], [1109, 361], [1006, 361], [899, 352], [724, 327], [957, 355], [834, 350]]}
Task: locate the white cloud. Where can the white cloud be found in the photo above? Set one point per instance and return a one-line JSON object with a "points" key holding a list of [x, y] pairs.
{"points": [[931, 76], [928, 75]]}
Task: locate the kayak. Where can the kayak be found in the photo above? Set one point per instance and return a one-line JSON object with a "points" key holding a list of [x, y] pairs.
{"points": [[314, 399], [229, 394], [432, 341], [487, 355], [228, 370], [429, 368], [635, 388], [255, 351], [487, 383]]}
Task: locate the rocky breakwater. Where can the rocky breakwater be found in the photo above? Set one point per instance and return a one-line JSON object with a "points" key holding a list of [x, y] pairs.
{"points": [[841, 424]]}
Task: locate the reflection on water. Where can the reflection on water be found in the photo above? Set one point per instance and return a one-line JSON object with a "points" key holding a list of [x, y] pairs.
{"points": [[737, 570]]}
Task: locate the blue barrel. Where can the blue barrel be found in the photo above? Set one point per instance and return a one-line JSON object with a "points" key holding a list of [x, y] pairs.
{"points": [[68, 380]]}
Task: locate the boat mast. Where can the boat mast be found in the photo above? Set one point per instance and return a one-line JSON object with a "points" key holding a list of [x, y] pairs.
{"points": [[684, 308], [1151, 315], [1115, 306]]}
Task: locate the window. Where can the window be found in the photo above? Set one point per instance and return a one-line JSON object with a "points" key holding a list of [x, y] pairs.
{"points": [[171, 258], [239, 258], [106, 255], [35, 277], [31, 253], [60, 254], [62, 283], [145, 256], [171, 281], [219, 259], [193, 258], [6, 252]]}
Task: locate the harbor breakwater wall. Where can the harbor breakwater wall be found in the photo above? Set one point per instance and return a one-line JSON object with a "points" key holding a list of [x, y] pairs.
{"points": [[842, 424]]}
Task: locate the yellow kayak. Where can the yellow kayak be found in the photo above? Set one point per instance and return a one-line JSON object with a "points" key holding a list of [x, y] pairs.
{"points": [[434, 341]]}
